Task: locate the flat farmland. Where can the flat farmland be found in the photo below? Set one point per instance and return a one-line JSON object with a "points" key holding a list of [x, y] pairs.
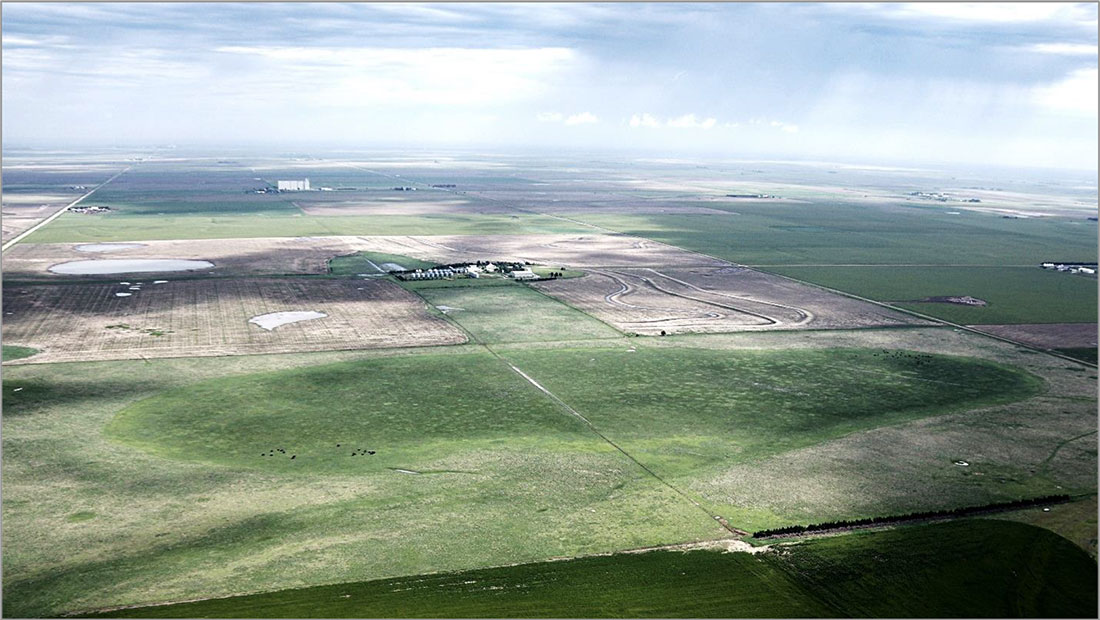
{"points": [[73, 227], [250, 256], [21, 211], [962, 569], [473, 467], [698, 300], [211, 317], [514, 313], [392, 202], [1012, 294], [1046, 335], [586, 250]]}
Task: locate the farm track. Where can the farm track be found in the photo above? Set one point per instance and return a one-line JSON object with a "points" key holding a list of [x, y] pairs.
{"points": [[625, 289], [60, 212]]}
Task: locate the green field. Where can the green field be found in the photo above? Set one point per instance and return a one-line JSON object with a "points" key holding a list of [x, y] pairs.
{"points": [[1015, 294], [683, 409], [958, 569], [514, 313], [179, 497], [408, 410], [15, 352], [73, 227], [371, 263], [1087, 354], [828, 233]]}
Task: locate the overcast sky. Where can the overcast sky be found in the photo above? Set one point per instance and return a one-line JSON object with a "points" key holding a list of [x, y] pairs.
{"points": [[1003, 84]]}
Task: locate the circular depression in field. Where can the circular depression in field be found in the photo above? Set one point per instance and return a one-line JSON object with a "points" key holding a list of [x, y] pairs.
{"points": [[413, 411], [129, 265], [107, 247]]}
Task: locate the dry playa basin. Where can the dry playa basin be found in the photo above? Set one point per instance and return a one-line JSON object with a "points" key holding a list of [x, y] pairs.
{"points": [[129, 265], [132, 320]]}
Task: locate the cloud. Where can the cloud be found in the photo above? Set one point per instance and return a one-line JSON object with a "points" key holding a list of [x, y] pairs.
{"points": [[429, 75], [1065, 49], [644, 120], [550, 117], [688, 121], [583, 118], [787, 127], [991, 12], [1076, 94]]}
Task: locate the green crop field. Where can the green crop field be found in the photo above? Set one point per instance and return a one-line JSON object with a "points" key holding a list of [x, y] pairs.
{"points": [[684, 409], [514, 313], [73, 227], [827, 233], [14, 352], [1015, 294], [372, 263], [962, 569], [177, 477]]}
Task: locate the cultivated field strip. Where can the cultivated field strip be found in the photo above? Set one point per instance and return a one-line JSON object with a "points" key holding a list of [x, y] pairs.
{"points": [[204, 318]]}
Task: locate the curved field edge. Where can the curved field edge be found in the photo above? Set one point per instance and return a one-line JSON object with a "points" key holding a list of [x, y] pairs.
{"points": [[682, 410], [15, 352], [970, 568]]}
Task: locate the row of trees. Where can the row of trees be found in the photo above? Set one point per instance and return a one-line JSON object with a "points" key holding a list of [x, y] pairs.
{"points": [[794, 530]]}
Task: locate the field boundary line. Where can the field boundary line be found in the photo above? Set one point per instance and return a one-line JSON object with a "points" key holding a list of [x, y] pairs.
{"points": [[58, 214], [564, 405], [853, 296]]}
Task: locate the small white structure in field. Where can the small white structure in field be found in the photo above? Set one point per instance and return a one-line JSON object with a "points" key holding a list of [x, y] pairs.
{"points": [[293, 186]]}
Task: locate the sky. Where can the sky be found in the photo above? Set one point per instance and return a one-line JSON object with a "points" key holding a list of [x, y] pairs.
{"points": [[1000, 84]]}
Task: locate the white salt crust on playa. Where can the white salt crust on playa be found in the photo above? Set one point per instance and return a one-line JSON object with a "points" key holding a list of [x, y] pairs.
{"points": [[129, 265], [272, 320]]}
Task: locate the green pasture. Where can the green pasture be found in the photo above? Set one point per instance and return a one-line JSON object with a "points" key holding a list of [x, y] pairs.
{"points": [[15, 352], [1015, 294], [1087, 354], [493, 474], [682, 409], [829, 233], [153, 480], [514, 313], [958, 569], [361, 262], [74, 227], [408, 410]]}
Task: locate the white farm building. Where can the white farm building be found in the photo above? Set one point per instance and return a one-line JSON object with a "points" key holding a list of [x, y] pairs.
{"points": [[294, 186]]}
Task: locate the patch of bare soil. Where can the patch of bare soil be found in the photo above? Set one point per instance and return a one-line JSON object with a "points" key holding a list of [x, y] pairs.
{"points": [[709, 300], [959, 300], [188, 318]]}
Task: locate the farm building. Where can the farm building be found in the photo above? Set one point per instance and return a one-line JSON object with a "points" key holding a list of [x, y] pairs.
{"points": [[293, 186], [524, 274]]}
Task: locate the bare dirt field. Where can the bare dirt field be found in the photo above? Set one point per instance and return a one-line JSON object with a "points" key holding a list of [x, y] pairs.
{"points": [[261, 256], [581, 251], [1047, 335], [702, 300], [211, 317], [21, 211], [310, 255]]}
